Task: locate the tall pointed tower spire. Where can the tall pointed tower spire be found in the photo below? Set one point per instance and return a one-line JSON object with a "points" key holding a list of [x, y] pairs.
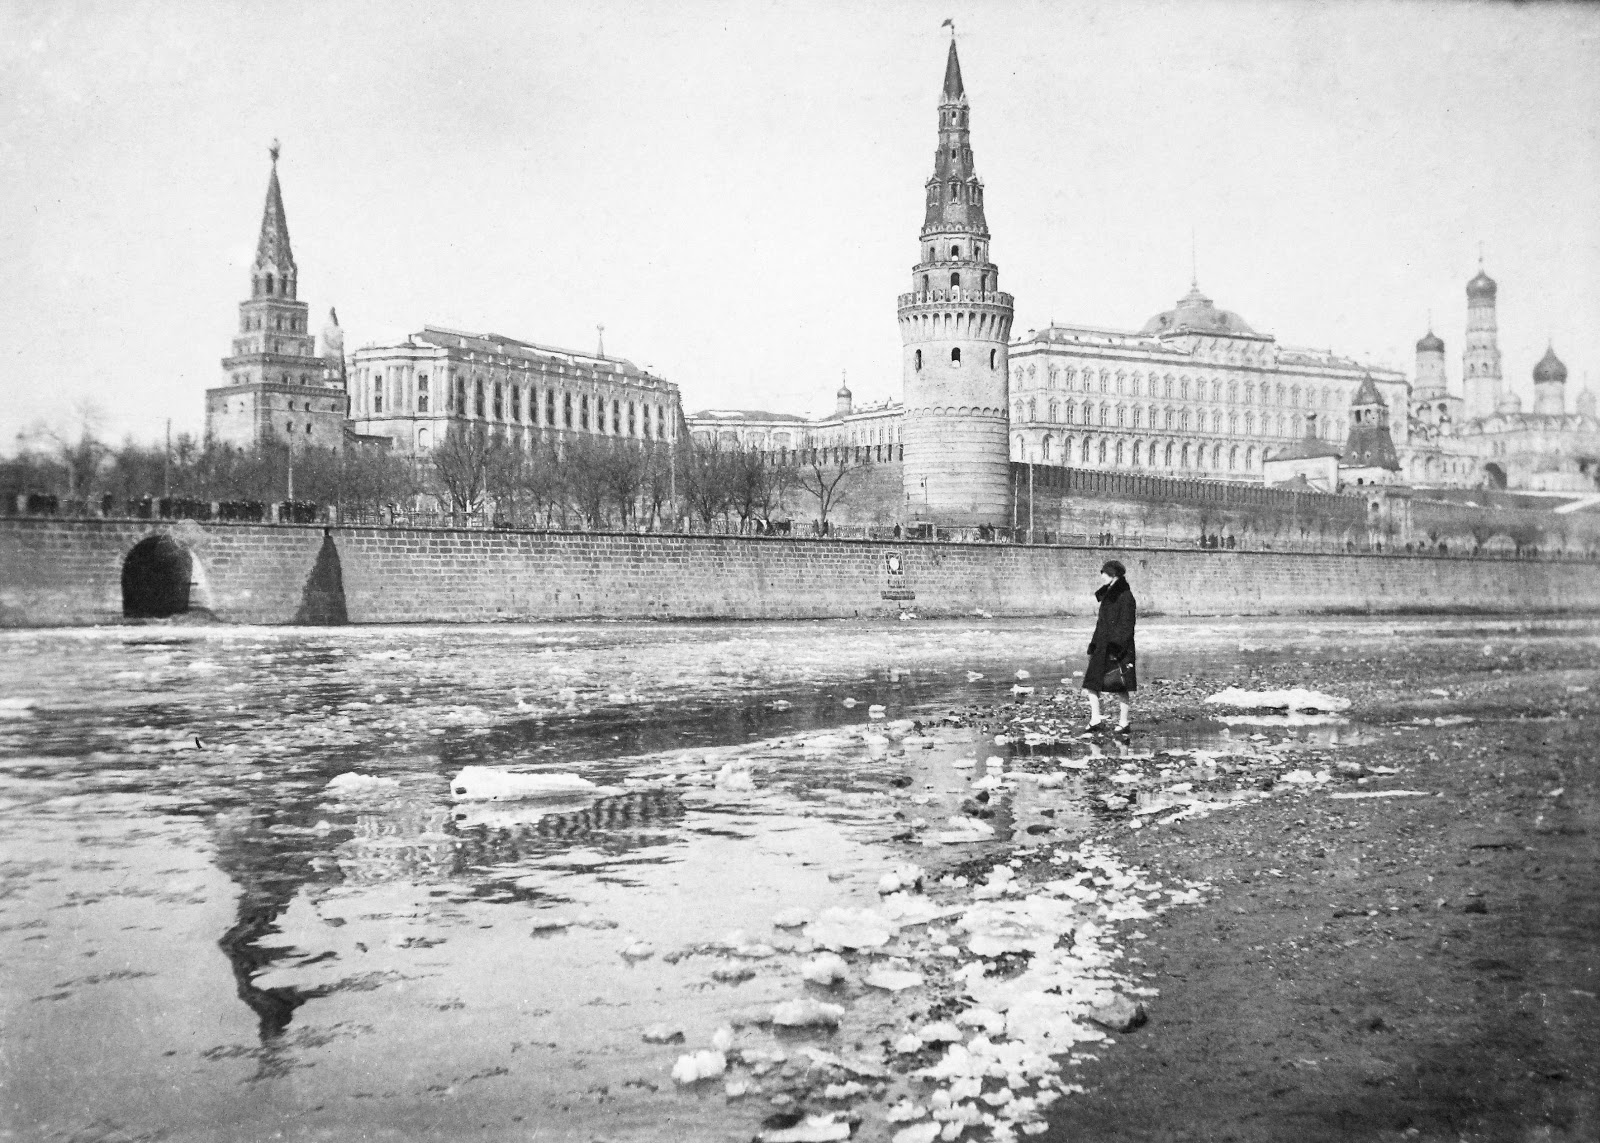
{"points": [[277, 389], [954, 328], [274, 272]]}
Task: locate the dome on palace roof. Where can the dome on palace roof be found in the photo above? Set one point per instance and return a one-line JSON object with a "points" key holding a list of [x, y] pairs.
{"points": [[1481, 286], [1549, 367], [1430, 343], [1196, 313]]}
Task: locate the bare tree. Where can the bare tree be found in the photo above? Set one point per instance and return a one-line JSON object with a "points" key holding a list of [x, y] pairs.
{"points": [[626, 466], [828, 483], [705, 472], [460, 464]]}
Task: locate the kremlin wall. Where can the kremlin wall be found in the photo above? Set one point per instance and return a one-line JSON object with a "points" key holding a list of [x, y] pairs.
{"points": [[76, 573]]}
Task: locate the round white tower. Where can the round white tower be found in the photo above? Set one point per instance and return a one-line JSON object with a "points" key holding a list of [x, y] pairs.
{"points": [[954, 327]]}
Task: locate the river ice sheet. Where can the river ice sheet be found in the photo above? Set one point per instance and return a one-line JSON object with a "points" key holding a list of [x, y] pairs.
{"points": [[203, 938]]}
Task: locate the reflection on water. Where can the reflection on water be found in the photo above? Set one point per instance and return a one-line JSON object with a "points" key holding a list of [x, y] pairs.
{"points": [[191, 912]]}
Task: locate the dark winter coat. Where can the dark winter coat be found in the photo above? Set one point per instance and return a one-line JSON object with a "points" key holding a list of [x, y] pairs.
{"points": [[1112, 642]]}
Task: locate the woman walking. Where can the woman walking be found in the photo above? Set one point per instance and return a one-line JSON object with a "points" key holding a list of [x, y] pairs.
{"points": [[1111, 667]]}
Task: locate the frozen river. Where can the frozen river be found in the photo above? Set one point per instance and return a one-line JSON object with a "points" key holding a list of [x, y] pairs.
{"points": [[241, 901]]}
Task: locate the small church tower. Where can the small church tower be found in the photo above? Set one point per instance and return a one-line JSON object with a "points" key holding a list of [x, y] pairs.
{"points": [[1550, 385], [1480, 359], [276, 389], [954, 327], [1369, 455]]}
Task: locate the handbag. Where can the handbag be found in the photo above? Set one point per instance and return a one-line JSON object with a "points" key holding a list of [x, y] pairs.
{"points": [[1113, 680]]}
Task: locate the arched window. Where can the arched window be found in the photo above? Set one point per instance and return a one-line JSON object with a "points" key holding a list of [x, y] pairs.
{"points": [[1250, 458], [566, 409], [1122, 416], [925, 285], [1233, 458], [377, 393], [1044, 447], [955, 355], [1071, 412], [1216, 456], [1168, 454], [1183, 389], [499, 403], [424, 439], [1138, 447], [422, 392], [1249, 392], [955, 281], [1183, 457], [1100, 453], [955, 251], [1119, 454], [1032, 409], [1166, 387], [269, 289], [1020, 450], [1216, 420], [1296, 426], [1233, 424], [1055, 413], [994, 359], [1105, 380], [954, 191], [516, 403], [477, 403], [1016, 412], [919, 360], [1085, 453], [1136, 416], [1166, 420], [1066, 450], [1233, 392], [1105, 415], [1249, 424]]}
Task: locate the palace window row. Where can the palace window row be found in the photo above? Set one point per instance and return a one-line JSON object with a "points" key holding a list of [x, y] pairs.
{"points": [[503, 402], [1112, 452], [1170, 419], [1175, 387]]}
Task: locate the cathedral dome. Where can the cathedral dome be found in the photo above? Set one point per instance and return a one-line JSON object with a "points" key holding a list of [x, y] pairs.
{"points": [[1549, 368], [1430, 343], [1481, 286], [1196, 313]]}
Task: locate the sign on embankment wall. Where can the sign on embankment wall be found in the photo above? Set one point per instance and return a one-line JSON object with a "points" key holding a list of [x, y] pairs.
{"points": [[78, 572]]}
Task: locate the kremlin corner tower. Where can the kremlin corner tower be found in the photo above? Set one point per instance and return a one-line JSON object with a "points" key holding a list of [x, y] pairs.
{"points": [[954, 327]]}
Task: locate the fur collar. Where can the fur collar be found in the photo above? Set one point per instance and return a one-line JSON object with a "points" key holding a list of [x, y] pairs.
{"points": [[1116, 589]]}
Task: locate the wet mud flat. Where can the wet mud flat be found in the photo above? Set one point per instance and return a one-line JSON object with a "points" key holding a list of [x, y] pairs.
{"points": [[1377, 967]]}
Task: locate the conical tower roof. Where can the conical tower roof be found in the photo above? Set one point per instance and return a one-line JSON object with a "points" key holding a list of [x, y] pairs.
{"points": [[953, 90], [272, 248], [1368, 394]]}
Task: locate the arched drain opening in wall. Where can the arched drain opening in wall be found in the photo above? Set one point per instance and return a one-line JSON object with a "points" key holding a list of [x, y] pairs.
{"points": [[156, 578]]}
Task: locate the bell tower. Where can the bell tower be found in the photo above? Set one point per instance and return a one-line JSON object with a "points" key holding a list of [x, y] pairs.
{"points": [[954, 327], [1480, 360]]}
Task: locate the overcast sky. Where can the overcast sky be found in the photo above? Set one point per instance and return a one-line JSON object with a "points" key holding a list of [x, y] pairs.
{"points": [[735, 189]]}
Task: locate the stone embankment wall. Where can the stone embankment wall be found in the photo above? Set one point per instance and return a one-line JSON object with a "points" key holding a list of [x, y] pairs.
{"points": [[69, 572]]}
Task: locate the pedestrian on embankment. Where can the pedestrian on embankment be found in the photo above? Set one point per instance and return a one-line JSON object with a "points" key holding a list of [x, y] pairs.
{"points": [[1111, 668]]}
